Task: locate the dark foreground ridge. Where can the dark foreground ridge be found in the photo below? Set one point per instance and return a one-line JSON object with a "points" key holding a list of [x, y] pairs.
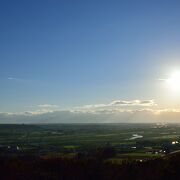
{"points": [[34, 167]]}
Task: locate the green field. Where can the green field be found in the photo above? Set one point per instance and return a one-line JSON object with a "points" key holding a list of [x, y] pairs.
{"points": [[154, 141]]}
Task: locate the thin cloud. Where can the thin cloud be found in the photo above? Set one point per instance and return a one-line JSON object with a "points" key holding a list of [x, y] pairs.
{"points": [[116, 105], [134, 103], [162, 79], [47, 106], [14, 79]]}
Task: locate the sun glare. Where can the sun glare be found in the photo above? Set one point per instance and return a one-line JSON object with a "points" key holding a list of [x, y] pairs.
{"points": [[174, 81]]}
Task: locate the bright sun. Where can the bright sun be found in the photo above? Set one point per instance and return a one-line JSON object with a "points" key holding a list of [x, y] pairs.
{"points": [[174, 81]]}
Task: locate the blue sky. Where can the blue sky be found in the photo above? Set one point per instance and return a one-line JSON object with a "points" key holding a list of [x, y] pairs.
{"points": [[73, 53]]}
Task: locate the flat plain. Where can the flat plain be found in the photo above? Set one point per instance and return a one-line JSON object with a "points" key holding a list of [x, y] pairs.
{"points": [[139, 141]]}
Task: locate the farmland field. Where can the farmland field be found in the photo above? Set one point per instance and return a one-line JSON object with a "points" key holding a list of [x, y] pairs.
{"points": [[128, 140]]}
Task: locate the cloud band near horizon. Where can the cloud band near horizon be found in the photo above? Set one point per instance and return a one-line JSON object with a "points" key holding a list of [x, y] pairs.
{"points": [[134, 111]]}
